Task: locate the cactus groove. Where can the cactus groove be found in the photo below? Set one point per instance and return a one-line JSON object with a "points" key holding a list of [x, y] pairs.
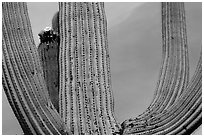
{"points": [[64, 85]]}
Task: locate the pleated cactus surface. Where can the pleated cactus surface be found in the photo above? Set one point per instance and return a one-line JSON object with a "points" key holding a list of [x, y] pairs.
{"points": [[23, 80], [64, 85], [86, 100]]}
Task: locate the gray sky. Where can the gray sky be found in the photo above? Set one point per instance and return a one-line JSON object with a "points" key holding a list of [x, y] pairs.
{"points": [[134, 34]]}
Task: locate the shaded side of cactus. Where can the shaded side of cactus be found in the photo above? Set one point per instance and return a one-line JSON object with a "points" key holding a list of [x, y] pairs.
{"points": [[23, 79], [48, 50]]}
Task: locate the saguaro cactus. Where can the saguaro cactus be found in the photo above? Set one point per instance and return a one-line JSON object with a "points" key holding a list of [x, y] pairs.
{"points": [[83, 103]]}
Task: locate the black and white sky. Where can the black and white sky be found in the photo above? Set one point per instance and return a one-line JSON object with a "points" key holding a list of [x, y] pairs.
{"points": [[135, 44]]}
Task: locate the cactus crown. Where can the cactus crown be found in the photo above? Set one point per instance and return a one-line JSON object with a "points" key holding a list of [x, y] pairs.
{"points": [[48, 35]]}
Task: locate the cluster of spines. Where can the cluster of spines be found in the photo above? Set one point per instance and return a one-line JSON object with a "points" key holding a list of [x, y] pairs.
{"points": [[84, 83], [23, 79], [174, 96]]}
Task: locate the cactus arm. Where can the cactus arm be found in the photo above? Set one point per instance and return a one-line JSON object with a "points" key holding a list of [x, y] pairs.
{"points": [[193, 109], [23, 74], [177, 40], [172, 97], [188, 107], [175, 69], [180, 118], [48, 50], [15, 103]]}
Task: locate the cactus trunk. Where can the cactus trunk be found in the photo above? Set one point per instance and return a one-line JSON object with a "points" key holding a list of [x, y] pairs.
{"points": [[86, 100]]}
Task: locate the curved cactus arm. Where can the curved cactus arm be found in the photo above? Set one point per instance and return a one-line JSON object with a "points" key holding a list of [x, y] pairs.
{"points": [[174, 36], [174, 73], [181, 118], [181, 103], [187, 110], [16, 105], [22, 74], [190, 117], [86, 100]]}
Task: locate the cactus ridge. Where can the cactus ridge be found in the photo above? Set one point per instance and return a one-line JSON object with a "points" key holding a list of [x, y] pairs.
{"points": [[89, 99]]}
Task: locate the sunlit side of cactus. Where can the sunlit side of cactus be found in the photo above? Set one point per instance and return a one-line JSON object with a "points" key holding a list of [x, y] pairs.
{"points": [[86, 100]]}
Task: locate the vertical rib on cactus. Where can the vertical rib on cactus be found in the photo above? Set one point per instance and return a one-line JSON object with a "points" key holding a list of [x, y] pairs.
{"points": [[86, 101], [22, 74], [48, 50]]}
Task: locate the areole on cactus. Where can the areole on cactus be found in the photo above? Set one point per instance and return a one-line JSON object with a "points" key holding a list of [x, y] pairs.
{"points": [[64, 86]]}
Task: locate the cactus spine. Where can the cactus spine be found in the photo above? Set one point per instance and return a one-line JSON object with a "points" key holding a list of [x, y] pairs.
{"points": [[84, 98]]}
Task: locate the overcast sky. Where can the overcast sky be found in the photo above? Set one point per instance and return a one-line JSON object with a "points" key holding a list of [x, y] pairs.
{"points": [[134, 34]]}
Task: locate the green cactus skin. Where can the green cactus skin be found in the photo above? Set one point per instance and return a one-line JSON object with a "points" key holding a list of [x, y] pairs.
{"points": [[84, 97]]}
